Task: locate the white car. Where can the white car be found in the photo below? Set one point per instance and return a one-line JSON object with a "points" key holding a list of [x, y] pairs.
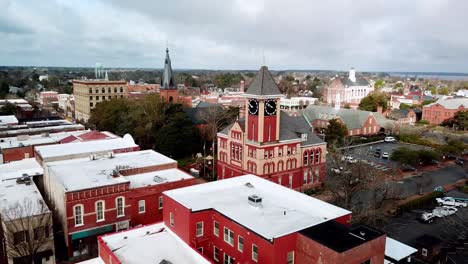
{"points": [[389, 139], [385, 155], [449, 201], [350, 159]]}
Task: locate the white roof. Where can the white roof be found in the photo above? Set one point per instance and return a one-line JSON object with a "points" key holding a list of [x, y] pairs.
{"points": [[397, 250], [152, 244], [157, 177], [16, 169], [97, 260], [8, 119], [13, 101], [283, 210], [84, 173], [20, 200], [84, 147], [14, 142], [454, 103]]}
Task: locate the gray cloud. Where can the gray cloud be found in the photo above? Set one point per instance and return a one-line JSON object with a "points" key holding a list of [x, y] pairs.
{"points": [[419, 35]]}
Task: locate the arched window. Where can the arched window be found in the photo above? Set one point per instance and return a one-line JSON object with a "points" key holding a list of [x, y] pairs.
{"points": [[171, 99], [288, 164], [265, 169], [280, 165], [318, 154], [100, 208], [306, 157], [293, 164], [120, 206], [78, 214], [272, 167], [311, 155]]}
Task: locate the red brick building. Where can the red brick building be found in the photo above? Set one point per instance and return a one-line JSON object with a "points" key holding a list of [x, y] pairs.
{"points": [[443, 109], [107, 193], [269, 143], [23, 147], [248, 219]]}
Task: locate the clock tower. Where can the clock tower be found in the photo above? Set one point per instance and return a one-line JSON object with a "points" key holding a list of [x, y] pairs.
{"points": [[262, 105]]}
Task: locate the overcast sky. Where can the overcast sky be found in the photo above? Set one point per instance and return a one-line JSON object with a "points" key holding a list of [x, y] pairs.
{"points": [[378, 35]]}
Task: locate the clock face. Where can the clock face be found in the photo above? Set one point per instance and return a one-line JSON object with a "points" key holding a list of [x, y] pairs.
{"points": [[270, 107], [253, 107]]}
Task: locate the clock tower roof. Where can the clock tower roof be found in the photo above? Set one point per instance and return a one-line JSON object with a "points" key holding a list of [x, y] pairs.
{"points": [[263, 84]]}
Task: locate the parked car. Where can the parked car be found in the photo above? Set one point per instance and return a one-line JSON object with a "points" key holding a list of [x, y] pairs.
{"points": [[389, 139], [438, 212], [450, 201], [460, 162], [350, 159], [385, 155], [377, 154]]}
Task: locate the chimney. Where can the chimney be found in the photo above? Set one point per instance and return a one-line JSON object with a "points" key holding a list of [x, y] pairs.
{"points": [[352, 75]]}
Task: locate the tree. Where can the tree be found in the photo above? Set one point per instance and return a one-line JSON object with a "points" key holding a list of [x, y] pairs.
{"points": [[27, 230], [461, 119], [379, 84], [224, 80], [347, 106], [404, 155], [4, 88], [372, 101], [453, 147], [8, 109], [335, 133], [405, 106]]}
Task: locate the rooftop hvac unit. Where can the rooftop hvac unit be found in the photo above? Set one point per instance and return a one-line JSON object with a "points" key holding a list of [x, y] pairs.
{"points": [[255, 200]]}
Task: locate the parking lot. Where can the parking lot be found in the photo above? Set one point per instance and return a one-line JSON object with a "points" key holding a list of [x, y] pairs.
{"points": [[366, 154]]}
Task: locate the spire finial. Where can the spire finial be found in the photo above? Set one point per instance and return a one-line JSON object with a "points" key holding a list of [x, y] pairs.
{"points": [[167, 46]]}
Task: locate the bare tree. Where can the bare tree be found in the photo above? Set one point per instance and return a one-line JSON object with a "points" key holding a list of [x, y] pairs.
{"points": [[215, 119], [27, 230]]}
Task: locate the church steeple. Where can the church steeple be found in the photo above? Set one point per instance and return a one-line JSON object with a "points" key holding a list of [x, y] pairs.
{"points": [[167, 79]]}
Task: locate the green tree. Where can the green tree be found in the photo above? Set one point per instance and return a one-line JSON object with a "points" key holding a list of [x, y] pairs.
{"points": [[379, 84], [4, 88], [335, 133], [459, 120], [8, 109], [372, 101], [453, 147], [405, 155], [224, 80], [444, 91], [405, 106], [289, 78]]}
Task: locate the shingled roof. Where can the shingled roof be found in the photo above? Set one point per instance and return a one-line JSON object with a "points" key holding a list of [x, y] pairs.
{"points": [[263, 84]]}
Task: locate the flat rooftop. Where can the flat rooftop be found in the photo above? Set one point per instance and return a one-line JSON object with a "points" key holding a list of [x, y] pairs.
{"points": [[152, 244], [36, 130], [397, 250], [283, 211], [8, 119], [22, 141], [17, 169], [84, 173], [339, 237], [86, 147], [20, 200]]}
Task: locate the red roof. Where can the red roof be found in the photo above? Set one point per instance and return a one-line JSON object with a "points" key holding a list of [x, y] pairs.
{"points": [[68, 139], [93, 135]]}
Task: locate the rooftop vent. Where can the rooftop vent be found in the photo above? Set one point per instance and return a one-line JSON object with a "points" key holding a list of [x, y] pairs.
{"points": [[92, 157], [24, 180], [110, 154], [159, 179], [249, 185], [255, 200]]}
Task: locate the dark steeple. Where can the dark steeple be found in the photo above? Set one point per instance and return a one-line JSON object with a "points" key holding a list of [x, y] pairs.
{"points": [[167, 79], [263, 84]]}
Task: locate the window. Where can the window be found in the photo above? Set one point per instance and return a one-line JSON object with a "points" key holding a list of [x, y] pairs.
{"points": [[280, 152], [424, 252], [216, 253], [290, 258], [305, 176], [228, 236], [97, 90], [160, 202], [240, 243], [254, 252], [366, 262], [200, 249], [115, 89], [306, 157], [19, 237], [40, 233], [141, 206], [91, 104], [120, 206], [199, 229], [78, 214], [228, 259], [90, 98], [290, 181], [121, 89], [171, 219], [216, 228], [103, 90], [90, 90], [108, 89], [99, 211], [103, 98]]}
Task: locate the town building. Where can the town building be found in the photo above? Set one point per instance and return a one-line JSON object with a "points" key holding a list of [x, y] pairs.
{"points": [[258, 222], [168, 89], [139, 90], [39, 127], [349, 90], [48, 98], [269, 143], [26, 233], [405, 116], [358, 122], [23, 108], [88, 93], [23, 146], [443, 109], [108, 193], [296, 103], [62, 101]]}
